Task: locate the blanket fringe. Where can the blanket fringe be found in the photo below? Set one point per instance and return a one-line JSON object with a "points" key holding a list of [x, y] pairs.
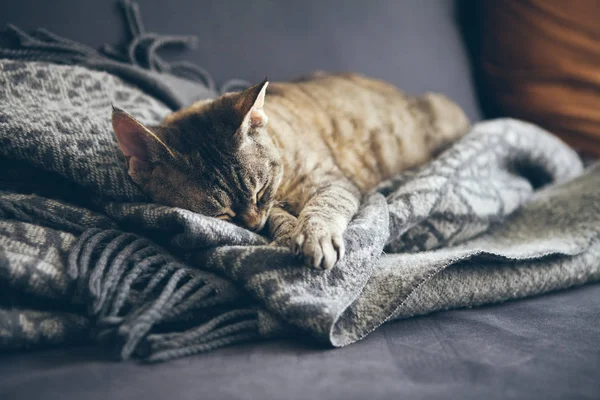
{"points": [[228, 328], [141, 51], [132, 288]]}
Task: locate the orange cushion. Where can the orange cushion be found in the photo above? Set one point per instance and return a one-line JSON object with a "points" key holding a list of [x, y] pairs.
{"points": [[541, 63]]}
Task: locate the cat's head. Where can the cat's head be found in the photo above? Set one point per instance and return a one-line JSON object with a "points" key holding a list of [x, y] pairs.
{"points": [[214, 158]]}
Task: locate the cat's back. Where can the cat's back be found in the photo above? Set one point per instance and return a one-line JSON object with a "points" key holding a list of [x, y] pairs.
{"points": [[367, 128], [337, 95]]}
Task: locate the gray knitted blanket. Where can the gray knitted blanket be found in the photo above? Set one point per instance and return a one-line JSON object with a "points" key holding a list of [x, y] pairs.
{"points": [[507, 212]]}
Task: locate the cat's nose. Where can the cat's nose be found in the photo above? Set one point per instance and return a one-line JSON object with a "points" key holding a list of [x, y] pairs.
{"points": [[254, 220]]}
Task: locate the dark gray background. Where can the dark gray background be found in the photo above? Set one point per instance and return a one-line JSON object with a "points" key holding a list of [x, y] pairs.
{"points": [[414, 44]]}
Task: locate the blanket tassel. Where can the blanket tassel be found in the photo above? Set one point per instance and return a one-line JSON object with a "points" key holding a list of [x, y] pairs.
{"points": [[133, 290]]}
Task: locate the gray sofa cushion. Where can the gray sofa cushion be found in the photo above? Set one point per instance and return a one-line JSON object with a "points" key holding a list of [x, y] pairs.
{"points": [[414, 44], [538, 348]]}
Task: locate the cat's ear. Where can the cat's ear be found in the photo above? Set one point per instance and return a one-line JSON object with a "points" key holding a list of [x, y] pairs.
{"points": [[250, 107], [135, 140]]}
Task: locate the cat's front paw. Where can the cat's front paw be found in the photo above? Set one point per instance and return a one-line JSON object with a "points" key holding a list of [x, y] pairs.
{"points": [[321, 246]]}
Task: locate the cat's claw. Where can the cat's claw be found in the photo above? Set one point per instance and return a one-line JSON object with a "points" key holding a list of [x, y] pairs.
{"points": [[320, 248]]}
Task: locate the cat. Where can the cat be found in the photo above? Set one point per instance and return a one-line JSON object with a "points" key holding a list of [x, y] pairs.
{"points": [[293, 158]]}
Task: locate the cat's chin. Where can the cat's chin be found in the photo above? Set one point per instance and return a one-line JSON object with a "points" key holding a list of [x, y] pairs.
{"points": [[258, 227]]}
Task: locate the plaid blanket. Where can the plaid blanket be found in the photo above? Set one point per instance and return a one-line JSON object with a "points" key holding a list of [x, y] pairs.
{"points": [[505, 213]]}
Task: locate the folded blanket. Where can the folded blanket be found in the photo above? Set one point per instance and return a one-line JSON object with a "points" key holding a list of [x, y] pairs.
{"points": [[503, 214]]}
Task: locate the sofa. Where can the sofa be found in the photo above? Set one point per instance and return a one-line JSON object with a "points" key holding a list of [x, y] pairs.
{"points": [[543, 347]]}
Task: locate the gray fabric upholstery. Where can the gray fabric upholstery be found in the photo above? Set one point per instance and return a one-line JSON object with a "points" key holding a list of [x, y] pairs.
{"points": [[539, 348], [414, 44]]}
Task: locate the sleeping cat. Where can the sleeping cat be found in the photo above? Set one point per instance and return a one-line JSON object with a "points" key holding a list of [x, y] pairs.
{"points": [[294, 157]]}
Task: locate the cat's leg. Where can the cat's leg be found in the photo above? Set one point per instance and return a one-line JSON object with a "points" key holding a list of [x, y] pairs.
{"points": [[322, 222], [281, 226]]}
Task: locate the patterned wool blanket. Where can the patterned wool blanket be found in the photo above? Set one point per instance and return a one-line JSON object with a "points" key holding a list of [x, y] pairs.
{"points": [[505, 213]]}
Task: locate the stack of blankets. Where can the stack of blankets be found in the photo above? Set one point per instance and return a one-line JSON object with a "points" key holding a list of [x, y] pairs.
{"points": [[507, 212]]}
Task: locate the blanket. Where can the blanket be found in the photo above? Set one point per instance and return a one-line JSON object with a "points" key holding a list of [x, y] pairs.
{"points": [[177, 84], [505, 213]]}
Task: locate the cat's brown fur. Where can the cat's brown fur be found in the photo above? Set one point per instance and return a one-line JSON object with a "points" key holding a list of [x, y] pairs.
{"points": [[298, 158]]}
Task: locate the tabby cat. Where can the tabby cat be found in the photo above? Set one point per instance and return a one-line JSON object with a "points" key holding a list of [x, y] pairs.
{"points": [[295, 157]]}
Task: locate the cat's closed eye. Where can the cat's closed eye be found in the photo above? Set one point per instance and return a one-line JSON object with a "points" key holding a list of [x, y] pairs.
{"points": [[260, 194], [227, 216]]}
